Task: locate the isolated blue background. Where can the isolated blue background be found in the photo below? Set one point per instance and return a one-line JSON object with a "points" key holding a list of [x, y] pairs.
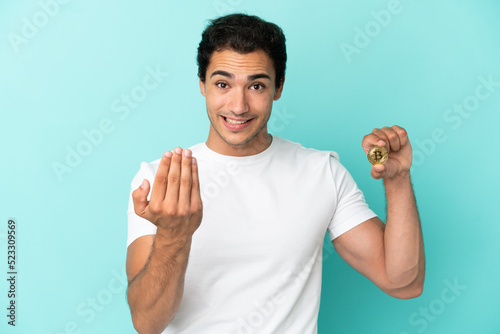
{"points": [[69, 76]]}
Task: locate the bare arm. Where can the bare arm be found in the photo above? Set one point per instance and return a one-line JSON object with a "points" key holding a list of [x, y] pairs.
{"points": [[156, 265], [391, 255], [404, 245]]}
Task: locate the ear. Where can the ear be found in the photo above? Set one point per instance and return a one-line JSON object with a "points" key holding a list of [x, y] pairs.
{"points": [[202, 88], [279, 90]]}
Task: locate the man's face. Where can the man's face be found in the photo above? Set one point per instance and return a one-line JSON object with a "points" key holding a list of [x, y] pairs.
{"points": [[239, 90]]}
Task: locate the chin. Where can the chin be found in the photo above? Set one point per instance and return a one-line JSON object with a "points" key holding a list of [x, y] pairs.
{"points": [[237, 139]]}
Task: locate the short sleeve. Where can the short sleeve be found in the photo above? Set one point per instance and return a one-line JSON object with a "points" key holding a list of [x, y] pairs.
{"points": [[351, 209], [137, 226]]}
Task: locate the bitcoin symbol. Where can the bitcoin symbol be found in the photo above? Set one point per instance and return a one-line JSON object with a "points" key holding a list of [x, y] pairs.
{"points": [[377, 155]]}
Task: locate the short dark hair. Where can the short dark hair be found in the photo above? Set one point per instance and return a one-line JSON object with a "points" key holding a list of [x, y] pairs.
{"points": [[243, 34]]}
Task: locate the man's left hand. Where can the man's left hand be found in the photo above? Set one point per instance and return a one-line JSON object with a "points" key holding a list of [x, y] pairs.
{"points": [[396, 142]]}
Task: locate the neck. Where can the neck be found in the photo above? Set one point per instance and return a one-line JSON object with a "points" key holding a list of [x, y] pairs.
{"points": [[256, 145]]}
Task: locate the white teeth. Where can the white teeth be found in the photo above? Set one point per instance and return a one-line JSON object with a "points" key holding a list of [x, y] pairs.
{"points": [[232, 121]]}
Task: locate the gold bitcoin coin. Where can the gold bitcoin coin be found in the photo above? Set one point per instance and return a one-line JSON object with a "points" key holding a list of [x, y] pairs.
{"points": [[377, 155]]}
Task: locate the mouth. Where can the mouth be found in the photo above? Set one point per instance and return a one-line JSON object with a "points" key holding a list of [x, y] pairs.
{"points": [[235, 121], [235, 124]]}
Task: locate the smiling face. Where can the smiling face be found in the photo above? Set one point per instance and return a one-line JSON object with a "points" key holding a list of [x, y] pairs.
{"points": [[239, 91]]}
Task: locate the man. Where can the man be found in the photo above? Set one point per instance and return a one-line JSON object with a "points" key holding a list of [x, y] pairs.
{"points": [[254, 239]]}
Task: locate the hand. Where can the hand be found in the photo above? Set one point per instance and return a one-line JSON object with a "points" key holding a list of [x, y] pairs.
{"points": [[175, 206], [396, 142]]}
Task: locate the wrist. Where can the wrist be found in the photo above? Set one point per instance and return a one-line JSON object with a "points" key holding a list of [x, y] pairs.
{"points": [[398, 180], [166, 237]]}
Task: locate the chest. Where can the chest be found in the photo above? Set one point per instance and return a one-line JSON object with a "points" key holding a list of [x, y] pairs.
{"points": [[251, 217]]}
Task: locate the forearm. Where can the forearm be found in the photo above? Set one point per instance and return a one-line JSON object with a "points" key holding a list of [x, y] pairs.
{"points": [[403, 242], [154, 295]]}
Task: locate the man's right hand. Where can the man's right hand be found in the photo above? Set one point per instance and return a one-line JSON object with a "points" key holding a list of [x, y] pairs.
{"points": [[175, 205], [156, 265]]}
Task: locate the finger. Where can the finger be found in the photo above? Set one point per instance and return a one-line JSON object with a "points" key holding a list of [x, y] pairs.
{"points": [[393, 138], [195, 186], [383, 137], [161, 179], [371, 140], [186, 180], [377, 171], [403, 135], [174, 175], [140, 198]]}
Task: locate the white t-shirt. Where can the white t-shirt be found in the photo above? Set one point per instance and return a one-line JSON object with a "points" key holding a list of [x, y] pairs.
{"points": [[255, 261]]}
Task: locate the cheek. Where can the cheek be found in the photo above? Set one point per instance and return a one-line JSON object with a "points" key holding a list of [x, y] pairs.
{"points": [[214, 102], [262, 103]]}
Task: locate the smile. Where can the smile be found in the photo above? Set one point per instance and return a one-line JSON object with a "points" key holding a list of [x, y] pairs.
{"points": [[236, 124]]}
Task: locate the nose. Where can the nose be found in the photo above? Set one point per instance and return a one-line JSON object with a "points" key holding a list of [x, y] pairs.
{"points": [[238, 104]]}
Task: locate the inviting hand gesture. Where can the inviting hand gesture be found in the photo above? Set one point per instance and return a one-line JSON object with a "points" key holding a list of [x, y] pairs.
{"points": [[175, 206]]}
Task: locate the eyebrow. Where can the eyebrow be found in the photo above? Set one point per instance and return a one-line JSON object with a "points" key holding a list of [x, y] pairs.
{"points": [[258, 76], [250, 77]]}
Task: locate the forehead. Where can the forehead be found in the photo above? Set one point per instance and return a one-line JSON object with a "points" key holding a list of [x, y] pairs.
{"points": [[241, 64]]}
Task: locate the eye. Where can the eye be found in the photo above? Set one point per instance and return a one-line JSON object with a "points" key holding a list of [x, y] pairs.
{"points": [[257, 86], [221, 85]]}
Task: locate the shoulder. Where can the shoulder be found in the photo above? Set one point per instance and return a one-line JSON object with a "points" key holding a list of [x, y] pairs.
{"points": [[322, 164], [297, 150]]}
